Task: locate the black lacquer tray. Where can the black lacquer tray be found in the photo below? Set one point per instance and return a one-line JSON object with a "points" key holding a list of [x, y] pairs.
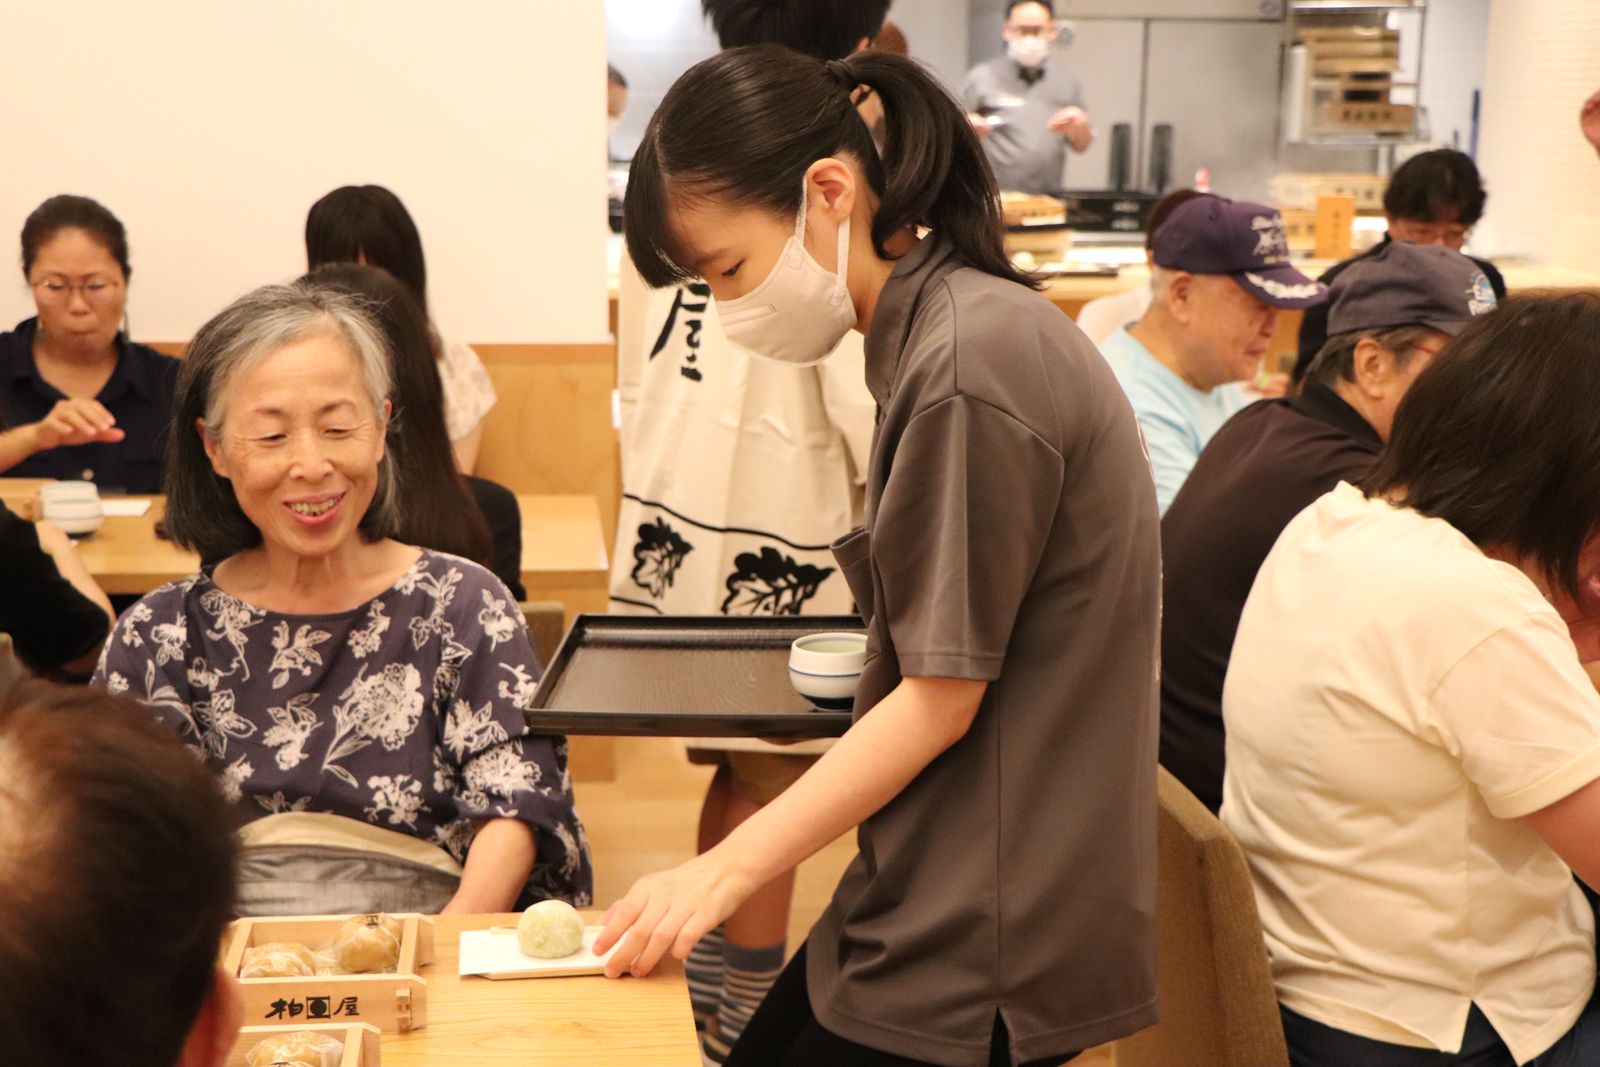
{"points": [[683, 676]]}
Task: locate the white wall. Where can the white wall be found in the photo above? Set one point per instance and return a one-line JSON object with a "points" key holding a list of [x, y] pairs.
{"points": [[209, 129], [1454, 56], [1543, 177]]}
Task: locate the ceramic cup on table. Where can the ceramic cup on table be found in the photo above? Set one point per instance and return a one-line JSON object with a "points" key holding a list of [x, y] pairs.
{"points": [[825, 668], [73, 506]]}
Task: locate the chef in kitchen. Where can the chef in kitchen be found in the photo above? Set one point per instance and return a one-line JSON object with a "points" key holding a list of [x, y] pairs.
{"points": [[1026, 105]]}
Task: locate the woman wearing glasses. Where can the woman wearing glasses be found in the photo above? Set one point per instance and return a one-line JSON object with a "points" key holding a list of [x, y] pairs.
{"points": [[78, 399]]}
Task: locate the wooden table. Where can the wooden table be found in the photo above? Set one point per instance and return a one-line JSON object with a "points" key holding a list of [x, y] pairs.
{"points": [[552, 1022], [563, 552]]}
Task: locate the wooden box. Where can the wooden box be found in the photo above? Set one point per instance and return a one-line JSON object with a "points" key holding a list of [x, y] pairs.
{"points": [[1024, 209], [1366, 117], [394, 1003], [360, 1042], [1301, 191]]}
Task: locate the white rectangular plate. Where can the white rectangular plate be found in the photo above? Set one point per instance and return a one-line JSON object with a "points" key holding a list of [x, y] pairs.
{"points": [[494, 954]]}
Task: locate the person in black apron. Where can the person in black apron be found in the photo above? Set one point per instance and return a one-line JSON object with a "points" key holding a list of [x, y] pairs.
{"points": [[1002, 765]]}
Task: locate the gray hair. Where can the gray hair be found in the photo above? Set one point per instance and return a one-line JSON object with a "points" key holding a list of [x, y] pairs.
{"points": [[1335, 361], [203, 513]]}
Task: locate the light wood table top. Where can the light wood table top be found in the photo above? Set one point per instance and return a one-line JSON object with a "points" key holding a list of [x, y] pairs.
{"points": [[563, 547], [553, 1022]]}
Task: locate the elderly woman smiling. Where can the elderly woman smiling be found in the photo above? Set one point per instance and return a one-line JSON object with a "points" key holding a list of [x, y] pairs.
{"points": [[363, 700]]}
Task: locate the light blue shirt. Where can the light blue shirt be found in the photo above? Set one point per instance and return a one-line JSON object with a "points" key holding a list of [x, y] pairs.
{"points": [[1176, 418]]}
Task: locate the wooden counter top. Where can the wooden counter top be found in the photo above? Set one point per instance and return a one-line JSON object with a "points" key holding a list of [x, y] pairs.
{"points": [[554, 1022]]}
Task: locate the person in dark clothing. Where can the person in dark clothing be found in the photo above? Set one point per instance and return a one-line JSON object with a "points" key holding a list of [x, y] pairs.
{"points": [[1392, 311], [56, 616], [1434, 198], [78, 399]]}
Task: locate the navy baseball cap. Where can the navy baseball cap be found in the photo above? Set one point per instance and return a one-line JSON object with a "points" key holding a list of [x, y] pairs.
{"points": [[1402, 284], [1245, 241]]}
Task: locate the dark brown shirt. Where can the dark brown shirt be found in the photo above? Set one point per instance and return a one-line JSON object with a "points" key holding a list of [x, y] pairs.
{"points": [[1011, 537], [1265, 466]]}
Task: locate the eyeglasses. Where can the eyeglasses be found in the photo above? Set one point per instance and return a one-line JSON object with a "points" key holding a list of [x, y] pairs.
{"points": [[56, 291], [1428, 233]]}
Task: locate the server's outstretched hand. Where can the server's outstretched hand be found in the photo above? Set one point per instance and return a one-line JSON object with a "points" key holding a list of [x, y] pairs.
{"points": [[669, 912]]}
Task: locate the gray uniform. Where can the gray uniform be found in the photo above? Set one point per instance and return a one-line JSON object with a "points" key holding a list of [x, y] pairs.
{"points": [[1011, 537], [1025, 155]]}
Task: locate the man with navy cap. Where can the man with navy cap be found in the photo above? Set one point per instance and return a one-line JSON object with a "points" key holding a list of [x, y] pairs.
{"points": [[1389, 314], [1221, 273]]}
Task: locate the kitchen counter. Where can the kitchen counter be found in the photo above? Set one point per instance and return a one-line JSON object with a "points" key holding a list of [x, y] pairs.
{"points": [[1070, 293]]}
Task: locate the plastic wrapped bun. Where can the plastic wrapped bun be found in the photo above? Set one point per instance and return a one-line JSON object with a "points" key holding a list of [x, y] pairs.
{"points": [[278, 959], [301, 1047], [550, 930], [367, 944]]}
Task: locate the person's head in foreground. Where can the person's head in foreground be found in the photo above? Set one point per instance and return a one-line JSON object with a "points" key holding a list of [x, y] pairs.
{"points": [[116, 884], [1435, 198], [777, 186], [283, 407], [1502, 444], [824, 29], [1389, 314], [1221, 275]]}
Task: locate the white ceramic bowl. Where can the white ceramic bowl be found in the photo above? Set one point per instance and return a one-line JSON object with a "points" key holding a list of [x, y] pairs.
{"points": [[825, 668], [73, 506], [69, 492]]}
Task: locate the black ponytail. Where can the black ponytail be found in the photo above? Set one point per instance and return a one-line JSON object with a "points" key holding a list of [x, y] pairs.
{"points": [[745, 125]]}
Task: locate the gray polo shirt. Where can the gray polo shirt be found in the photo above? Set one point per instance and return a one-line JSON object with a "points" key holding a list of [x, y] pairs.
{"points": [[1025, 155], [1011, 537]]}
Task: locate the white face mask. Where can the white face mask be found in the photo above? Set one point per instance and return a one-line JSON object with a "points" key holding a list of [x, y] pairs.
{"points": [[801, 312], [1030, 52], [613, 124]]}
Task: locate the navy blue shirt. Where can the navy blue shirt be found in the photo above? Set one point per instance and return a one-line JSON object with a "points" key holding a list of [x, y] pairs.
{"points": [[139, 396]]}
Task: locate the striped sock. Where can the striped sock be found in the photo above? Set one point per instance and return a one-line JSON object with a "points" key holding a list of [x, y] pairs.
{"points": [[703, 969], [749, 973]]}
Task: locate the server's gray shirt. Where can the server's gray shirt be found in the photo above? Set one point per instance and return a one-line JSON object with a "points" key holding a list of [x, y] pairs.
{"points": [[1025, 155], [1011, 537]]}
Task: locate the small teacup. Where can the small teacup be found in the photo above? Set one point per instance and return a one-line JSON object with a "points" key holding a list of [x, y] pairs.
{"points": [[73, 506], [825, 668]]}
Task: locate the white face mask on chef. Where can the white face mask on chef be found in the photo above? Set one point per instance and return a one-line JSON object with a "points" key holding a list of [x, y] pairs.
{"points": [[801, 312], [1030, 52]]}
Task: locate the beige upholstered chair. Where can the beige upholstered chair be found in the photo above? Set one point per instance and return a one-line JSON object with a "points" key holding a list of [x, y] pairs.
{"points": [[1218, 1008], [547, 625]]}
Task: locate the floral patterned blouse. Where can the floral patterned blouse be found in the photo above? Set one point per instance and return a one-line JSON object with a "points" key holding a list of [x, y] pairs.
{"points": [[407, 713]]}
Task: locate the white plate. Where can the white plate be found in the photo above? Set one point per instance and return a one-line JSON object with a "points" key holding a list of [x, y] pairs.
{"points": [[494, 954]]}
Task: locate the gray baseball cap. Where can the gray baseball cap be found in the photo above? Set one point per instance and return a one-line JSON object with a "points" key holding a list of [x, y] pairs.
{"points": [[1403, 284]]}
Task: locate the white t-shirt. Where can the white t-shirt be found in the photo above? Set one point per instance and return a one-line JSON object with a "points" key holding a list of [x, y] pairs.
{"points": [[468, 390], [1105, 315], [1176, 418], [1395, 702]]}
